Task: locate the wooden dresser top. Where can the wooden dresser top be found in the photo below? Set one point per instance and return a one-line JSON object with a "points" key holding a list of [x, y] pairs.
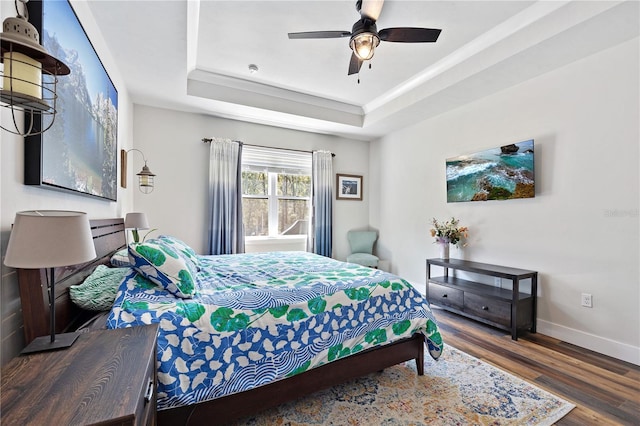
{"points": [[99, 378]]}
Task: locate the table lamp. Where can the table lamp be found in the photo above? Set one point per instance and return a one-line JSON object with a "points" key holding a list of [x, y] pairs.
{"points": [[50, 239], [136, 221]]}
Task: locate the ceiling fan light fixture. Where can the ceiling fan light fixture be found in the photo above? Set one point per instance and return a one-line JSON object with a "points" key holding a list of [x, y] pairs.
{"points": [[364, 44], [364, 36]]}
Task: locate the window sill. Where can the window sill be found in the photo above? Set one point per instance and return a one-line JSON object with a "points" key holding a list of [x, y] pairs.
{"points": [[279, 243]]}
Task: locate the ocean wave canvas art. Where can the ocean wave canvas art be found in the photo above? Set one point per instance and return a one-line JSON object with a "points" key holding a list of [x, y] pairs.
{"points": [[501, 173]]}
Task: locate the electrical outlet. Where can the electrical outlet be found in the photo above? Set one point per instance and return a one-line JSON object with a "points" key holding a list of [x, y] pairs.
{"points": [[587, 300]]}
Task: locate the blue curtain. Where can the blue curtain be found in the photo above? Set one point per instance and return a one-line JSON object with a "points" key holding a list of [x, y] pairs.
{"points": [[322, 175], [226, 233]]}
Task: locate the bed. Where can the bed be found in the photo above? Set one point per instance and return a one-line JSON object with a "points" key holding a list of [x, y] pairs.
{"points": [[283, 378]]}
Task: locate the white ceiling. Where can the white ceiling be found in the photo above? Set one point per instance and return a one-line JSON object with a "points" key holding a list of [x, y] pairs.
{"points": [[194, 56]]}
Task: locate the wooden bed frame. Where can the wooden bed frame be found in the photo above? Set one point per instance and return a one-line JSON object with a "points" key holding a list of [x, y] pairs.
{"points": [[109, 237]]}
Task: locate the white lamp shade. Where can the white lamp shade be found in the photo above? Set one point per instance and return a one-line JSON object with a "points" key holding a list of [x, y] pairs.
{"points": [[48, 239], [136, 220]]}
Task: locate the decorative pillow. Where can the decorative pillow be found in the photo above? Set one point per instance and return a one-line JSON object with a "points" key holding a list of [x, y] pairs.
{"points": [[120, 259], [162, 264], [98, 291], [182, 247]]}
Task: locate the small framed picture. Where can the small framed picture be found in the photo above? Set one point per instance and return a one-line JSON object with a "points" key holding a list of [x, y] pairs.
{"points": [[348, 187]]}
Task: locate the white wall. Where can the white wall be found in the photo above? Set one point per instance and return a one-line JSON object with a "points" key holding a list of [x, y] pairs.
{"points": [[171, 142], [17, 197], [580, 231]]}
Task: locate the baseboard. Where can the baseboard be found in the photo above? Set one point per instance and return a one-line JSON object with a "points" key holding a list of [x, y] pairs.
{"points": [[589, 341], [612, 348]]}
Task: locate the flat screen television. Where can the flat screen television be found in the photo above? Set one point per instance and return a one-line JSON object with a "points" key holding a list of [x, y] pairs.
{"points": [[79, 152], [501, 173]]}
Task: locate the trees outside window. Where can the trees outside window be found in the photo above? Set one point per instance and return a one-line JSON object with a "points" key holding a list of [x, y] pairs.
{"points": [[275, 201]]}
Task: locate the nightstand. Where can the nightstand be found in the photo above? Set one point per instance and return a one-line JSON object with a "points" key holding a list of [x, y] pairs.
{"points": [[106, 377]]}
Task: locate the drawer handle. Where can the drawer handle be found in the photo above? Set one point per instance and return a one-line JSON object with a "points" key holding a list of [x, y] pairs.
{"points": [[149, 393], [485, 308]]}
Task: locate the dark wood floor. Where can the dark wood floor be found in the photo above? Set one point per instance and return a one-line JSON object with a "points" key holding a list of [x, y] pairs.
{"points": [[605, 390]]}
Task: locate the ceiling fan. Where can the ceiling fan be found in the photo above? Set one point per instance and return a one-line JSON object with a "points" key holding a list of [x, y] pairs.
{"points": [[365, 37]]}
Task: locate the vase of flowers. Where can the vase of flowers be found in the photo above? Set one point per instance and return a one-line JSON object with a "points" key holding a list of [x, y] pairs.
{"points": [[444, 250], [447, 233]]}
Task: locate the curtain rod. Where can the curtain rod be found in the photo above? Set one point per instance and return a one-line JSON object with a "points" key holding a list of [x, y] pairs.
{"points": [[208, 140]]}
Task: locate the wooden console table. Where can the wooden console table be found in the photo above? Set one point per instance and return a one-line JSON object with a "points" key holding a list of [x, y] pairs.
{"points": [[508, 309]]}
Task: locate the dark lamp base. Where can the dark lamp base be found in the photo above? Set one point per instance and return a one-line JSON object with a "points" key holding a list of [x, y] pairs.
{"points": [[44, 343]]}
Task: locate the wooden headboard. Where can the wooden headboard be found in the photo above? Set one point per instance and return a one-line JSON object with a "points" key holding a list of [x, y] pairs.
{"points": [[108, 237]]}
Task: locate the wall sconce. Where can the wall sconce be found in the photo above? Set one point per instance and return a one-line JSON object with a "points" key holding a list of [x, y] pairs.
{"points": [[145, 177], [30, 74]]}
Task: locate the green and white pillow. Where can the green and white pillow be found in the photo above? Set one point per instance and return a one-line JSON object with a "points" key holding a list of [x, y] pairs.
{"points": [[182, 247], [98, 290], [120, 259], [165, 266]]}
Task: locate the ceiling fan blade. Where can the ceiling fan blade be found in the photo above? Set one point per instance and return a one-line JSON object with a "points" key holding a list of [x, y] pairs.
{"points": [[371, 9], [409, 35], [320, 34], [354, 64]]}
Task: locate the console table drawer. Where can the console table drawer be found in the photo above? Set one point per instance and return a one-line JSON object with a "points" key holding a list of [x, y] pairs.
{"points": [[489, 309], [445, 296]]}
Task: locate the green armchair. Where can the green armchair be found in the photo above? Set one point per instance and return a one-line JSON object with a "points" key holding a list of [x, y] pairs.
{"points": [[361, 243]]}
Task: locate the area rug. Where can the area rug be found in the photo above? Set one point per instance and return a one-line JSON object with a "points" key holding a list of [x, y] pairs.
{"points": [[458, 389]]}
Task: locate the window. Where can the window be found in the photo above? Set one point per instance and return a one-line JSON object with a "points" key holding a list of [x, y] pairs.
{"points": [[276, 191]]}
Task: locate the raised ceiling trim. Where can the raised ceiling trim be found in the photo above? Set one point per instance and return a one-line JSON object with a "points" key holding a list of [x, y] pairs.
{"points": [[225, 88]]}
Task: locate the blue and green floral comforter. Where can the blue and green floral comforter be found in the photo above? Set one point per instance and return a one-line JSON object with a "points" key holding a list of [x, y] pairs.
{"points": [[261, 317]]}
